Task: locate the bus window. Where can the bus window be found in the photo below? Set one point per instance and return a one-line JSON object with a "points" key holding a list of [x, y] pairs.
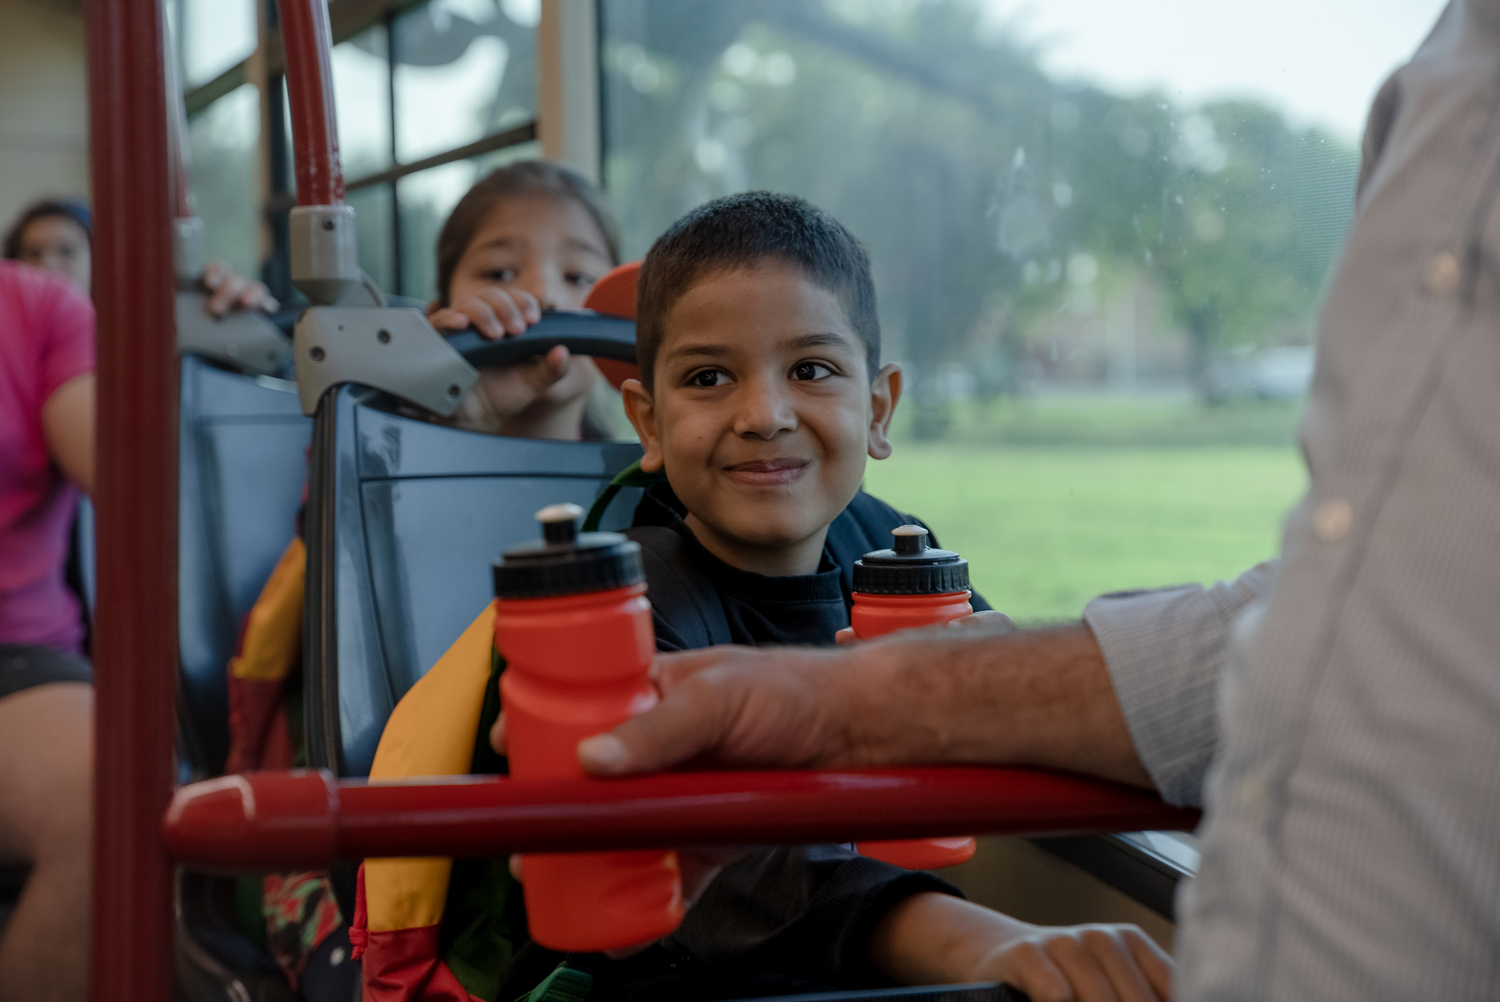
{"points": [[1099, 241]]}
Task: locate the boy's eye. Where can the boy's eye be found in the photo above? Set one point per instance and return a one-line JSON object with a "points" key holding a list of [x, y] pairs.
{"points": [[581, 278], [811, 371], [707, 378], [501, 275]]}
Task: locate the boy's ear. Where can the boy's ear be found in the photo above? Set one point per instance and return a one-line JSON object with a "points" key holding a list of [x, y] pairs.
{"points": [[641, 410], [885, 394]]}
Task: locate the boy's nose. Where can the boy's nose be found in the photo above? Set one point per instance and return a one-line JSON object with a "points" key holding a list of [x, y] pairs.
{"points": [[765, 412]]}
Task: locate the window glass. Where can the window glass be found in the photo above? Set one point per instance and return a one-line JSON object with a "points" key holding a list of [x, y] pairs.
{"points": [[464, 69], [376, 242], [224, 141], [427, 198], [362, 99], [1102, 287], [211, 36]]}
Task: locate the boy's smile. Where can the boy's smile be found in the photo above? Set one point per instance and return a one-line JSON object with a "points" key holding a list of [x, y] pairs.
{"points": [[762, 414]]}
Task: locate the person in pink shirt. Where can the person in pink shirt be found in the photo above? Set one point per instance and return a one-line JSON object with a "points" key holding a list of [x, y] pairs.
{"points": [[46, 695]]}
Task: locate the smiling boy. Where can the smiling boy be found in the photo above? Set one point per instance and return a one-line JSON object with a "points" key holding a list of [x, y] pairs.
{"points": [[761, 397]]}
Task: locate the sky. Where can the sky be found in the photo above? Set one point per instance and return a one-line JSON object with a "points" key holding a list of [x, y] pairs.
{"points": [[1319, 61]]}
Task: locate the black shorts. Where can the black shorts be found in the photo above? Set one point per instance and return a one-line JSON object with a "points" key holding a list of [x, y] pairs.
{"points": [[25, 666]]}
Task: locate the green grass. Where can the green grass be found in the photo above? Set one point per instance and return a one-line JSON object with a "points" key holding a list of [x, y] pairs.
{"points": [[1046, 528]]}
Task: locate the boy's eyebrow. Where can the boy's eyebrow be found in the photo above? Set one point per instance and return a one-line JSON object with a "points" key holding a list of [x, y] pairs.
{"points": [[801, 342], [822, 339]]}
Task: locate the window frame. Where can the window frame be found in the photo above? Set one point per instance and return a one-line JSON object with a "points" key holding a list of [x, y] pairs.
{"points": [[568, 102]]}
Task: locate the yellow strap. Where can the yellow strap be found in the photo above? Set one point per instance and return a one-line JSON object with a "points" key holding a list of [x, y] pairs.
{"points": [[273, 630], [431, 733]]}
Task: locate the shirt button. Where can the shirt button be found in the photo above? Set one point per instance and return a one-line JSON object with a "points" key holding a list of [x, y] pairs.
{"points": [[1332, 519], [1442, 274]]}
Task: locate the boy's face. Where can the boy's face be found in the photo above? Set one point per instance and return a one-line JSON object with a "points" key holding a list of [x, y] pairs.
{"points": [[762, 414]]}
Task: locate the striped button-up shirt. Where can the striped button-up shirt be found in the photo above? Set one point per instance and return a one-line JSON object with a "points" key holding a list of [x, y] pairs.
{"points": [[1345, 734]]}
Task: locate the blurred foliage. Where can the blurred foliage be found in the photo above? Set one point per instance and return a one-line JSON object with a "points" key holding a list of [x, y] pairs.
{"points": [[990, 196]]}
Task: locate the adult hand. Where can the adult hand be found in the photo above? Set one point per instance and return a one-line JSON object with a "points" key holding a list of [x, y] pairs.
{"points": [[941, 695], [541, 398], [228, 291]]}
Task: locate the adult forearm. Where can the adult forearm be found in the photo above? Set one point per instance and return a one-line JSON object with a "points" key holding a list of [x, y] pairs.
{"points": [[1036, 697], [1040, 697]]}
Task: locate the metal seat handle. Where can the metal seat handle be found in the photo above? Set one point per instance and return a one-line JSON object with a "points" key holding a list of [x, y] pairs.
{"points": [[582, 332]]}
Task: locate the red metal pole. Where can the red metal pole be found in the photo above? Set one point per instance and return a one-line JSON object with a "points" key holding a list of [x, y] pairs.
{"points": [[135, 646], [278, 820], [309, 82]]}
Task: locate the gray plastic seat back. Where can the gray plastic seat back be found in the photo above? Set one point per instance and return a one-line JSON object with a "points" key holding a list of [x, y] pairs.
{"points": [[404, 519], [243, 446]]}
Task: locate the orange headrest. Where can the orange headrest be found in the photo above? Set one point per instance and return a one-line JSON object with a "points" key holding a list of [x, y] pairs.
{"points": [[615, 294]]}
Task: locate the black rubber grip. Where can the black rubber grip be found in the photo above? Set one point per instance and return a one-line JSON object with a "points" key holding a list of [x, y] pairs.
{"points": [[582, 332]]}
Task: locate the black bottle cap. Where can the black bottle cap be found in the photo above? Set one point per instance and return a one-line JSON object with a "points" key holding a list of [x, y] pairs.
{"points": [[565, 562], [911, 567]]}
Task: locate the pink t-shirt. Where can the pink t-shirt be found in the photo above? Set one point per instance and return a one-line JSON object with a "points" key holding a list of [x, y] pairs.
{"points": [[46, 339]]}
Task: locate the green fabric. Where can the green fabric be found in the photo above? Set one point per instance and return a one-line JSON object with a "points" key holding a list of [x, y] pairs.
{"points": [[248, 913], [631, 476], [563, 985], [484, 919]]}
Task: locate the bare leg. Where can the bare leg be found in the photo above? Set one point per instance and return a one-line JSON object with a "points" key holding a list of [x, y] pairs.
{"points": [[46, 769]]}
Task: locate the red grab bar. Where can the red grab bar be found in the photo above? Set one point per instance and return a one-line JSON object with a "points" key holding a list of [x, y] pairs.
{"points": [[308, 41], [297, 820]]}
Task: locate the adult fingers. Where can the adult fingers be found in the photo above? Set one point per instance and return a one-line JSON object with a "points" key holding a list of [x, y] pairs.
{"points": [[687, 721]]}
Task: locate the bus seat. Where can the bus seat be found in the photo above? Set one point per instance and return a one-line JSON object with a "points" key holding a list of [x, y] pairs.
{"points": [[242, 445], [403, 520]]}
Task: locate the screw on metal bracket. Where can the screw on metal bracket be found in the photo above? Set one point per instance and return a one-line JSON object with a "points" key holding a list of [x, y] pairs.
{"points": [[316, 354], [328, 224], [384, 337]]}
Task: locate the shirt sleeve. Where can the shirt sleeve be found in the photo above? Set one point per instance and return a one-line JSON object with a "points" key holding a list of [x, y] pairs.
{"points": [[67, 335], [806, 911], [1165, 651]]}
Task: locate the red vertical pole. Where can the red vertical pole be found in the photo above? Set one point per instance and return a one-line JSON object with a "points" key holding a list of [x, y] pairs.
{"points": [[136, 475], [309, 84]]}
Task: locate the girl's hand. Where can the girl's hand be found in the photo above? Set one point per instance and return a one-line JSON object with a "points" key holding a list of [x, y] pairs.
{"points": [[542, 398], [1085, 963]]}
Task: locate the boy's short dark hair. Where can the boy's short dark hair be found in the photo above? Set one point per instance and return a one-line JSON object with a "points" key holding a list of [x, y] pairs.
{"points": [[744, 230]]}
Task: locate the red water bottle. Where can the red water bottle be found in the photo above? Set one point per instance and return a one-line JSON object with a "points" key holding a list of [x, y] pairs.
{"points": [[911, 585], [574, 627]]}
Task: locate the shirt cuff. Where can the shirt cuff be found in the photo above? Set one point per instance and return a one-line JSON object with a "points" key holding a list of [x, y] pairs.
{"points": [[1165, 651]]}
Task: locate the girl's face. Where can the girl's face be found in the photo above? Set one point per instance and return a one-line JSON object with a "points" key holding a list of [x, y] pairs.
{"points": [[58, 244], [550, 247]]}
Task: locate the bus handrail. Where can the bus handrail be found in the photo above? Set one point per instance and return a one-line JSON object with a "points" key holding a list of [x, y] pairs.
{"points": [[306, 819]]}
